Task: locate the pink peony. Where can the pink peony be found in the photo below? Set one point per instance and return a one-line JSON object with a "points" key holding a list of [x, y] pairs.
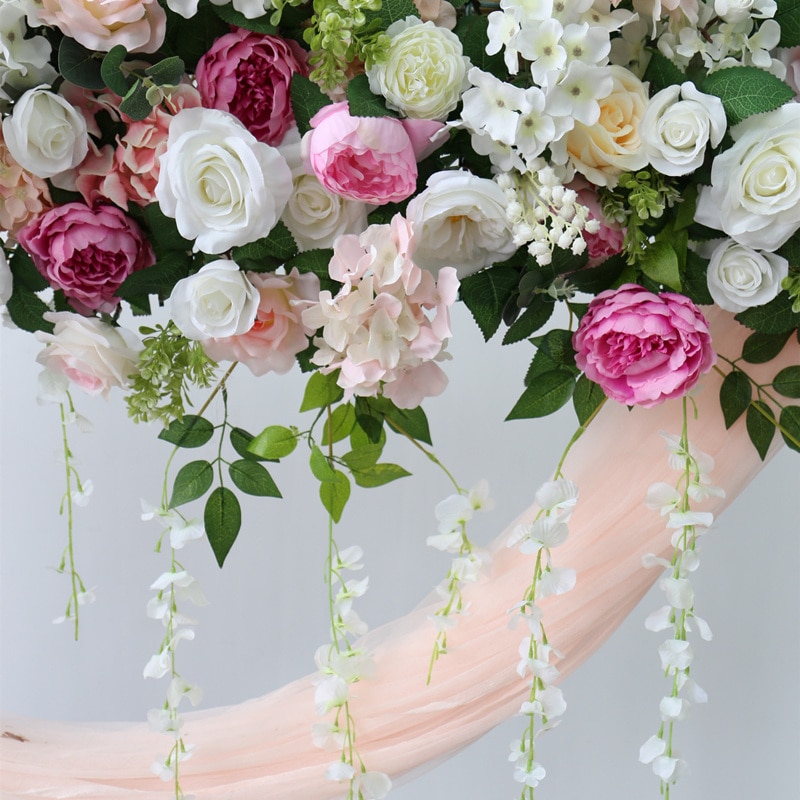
{"points": [[248, 74], [643, 348], [87, 252], [278, 333], [372, 159]]}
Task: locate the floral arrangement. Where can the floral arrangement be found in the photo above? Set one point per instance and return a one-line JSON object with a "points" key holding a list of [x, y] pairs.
{"points": [[313, 186]]}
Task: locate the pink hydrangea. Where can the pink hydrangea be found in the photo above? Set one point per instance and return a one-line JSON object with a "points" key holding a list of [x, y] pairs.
{"points": [[87, 252], [248, 74], [389, 323], [643, 348], [22, 194], [279, 332]]}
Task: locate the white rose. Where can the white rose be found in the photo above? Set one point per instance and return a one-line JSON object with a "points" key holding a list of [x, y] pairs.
{"points": [[45, 134], [92, 354], [223, 187], [425, 71], [740, 278], [214, 303], [675, 132], [459, 221], [6, 279], [754, 195]]}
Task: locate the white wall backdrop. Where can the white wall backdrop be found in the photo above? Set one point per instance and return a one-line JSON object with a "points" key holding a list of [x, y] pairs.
{"points": [[267, 606]]}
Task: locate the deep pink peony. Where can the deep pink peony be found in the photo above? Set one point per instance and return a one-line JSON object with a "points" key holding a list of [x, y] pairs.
{"points": [[248, 74], [371, 159], [643, 348], [87, 252]]}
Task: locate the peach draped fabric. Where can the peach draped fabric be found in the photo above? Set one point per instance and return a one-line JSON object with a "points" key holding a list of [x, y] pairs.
{"points": [[262, 748]]}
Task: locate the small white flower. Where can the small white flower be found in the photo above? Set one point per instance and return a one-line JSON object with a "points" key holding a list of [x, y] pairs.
{"points": [[479, 496], [453, 512], [340, 771], [162, 721], [81, 496], [652, 749], [561, 495], [372, 785], [674, 709], [331, 692], [158, 665], [557, 580], [675, 655], [327, 736]]}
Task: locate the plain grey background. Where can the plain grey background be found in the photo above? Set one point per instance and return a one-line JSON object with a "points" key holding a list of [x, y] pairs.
{"points": [[267, 606]]}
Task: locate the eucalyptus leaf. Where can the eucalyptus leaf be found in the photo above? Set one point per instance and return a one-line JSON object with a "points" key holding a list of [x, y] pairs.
{"points": [[79, 65], [111, 71]]}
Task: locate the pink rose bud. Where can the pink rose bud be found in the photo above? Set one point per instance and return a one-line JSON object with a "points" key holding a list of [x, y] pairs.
{"points": [[643, 348]]}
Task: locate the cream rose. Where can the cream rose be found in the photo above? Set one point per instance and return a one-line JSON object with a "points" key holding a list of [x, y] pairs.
{"points": [[459, 221], [45, 134], [91, 353], [754, 195], [425, 71], [603, 151], [218, 301], [740, 278], [675, 132], [223, 187]]}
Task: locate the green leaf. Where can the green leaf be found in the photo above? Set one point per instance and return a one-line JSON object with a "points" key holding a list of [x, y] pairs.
{"points": [[79, 65], [191, 431], [241, 441], [335, 494], [760, 428], [735, 395], [251, 478], [369, 424], [549, 392], [164, 230], [379, 475], [790, 250], [159, 279], [557, 344], [191, 482], [587, 397], [321, 468], [790, 422], [531, 319], [191, 39], [486, 293], [774, 317], [233, 17], [760, 348], [274, 442], [307, 99], [167, 72], [393, 10], [745, 91], [787, 382], [26, 311], [661, 72], [279, 244], [659, 262], [472, 29], [112, 75], [340, 425], [24, 272], [412, 421], [136, 103], [594, 280], [363, 103], [695, 282], [363, 457], [321, 391], [223, 520], [788, 17]]}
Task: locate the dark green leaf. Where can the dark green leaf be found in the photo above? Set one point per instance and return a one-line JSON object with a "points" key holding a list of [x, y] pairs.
{"points": [[191, 39], [307, 99], [363, 103], [79, 65], [159, 279], [790, 250], [135, 103], [321, 390], [191, 482], [163, 230], [191, 431], [369, 424], [760, 428], [379, 475], [251, 478], [321, 468], [587, 397], [472, 31], [24, 271], [661, 72], [787, 382], [745, 91], [788, 17], [241, 441], [363, 457], [596, 279], [274, 442], [695, 282], [531, 319], [316, 261], [790, 422], [223, 520], [26, 310], [280, 244], [113, 76], [411, 421], [486, 293], [759, 348], [340, 425], [659, 262], [392, 11], [735, 395], [167, 72], [545, 395], [335, 494], [775, 317]]}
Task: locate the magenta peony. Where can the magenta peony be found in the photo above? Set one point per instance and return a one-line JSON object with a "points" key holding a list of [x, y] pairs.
{"points": [[87, 252], [643, 348], [248, 74]]}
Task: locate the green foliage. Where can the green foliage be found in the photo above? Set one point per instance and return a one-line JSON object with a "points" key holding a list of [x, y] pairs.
{"points": [[760, 348], [774, 317], [223, 520], [335, 494], [790, 427], [787, 382], [531, 320], [192, 481], [735, 395], [320, 466], [661, 73], [321, 390], [586, 399], [486, 294], [79, 65], [189, 431], [546, 394], [307, 99], [788, 17], [192, 39], [379, 475], [363, 103], [252, 478], [111, 71], [392, 11], [160, 279], [363, 457], [167, 72], [136, 102], [760, 426], [240, 441], [659, 262], [695, 283], [274, 442], [553, 351], [594, 280], [745, 91], [472, 29], [264, 255], [163, 231], [26, 310], [340, 425]]}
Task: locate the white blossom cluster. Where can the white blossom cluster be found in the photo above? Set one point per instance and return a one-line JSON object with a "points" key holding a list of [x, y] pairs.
{"points": [[678, 615], [545, 703]]}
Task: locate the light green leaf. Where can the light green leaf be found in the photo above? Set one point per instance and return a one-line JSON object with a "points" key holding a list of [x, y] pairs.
{"points": [[252, 478], [659, 262], [335, 494], [190, 431], [223, 521], [191, 482], [274, 442], [363, 457], [340, 425], [321, 391], [320, 466], [379, 475]]}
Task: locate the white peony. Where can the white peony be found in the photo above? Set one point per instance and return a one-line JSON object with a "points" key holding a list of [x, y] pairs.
{"points": [[94, 355], [675, 132], [6, 279], [459, 221], [223, 187], [216, 302], [754, 195], [424, 72], [45, 134], [740, 278]]}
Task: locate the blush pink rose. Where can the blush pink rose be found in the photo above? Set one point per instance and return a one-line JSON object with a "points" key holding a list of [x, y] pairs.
{"points": [[87, 252], [371, 159], [643, 348], [248, 74], [278, 334]]}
